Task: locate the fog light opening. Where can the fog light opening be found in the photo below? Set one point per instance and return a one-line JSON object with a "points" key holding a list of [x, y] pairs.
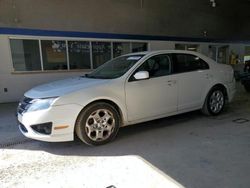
{"points": [[44, 128]]}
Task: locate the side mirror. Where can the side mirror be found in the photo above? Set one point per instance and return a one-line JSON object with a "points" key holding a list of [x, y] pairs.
{"points": [[141, 75]]}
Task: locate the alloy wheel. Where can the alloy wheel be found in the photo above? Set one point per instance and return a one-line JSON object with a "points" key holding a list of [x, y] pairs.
{"points": [[216, 101], [100, 125]]}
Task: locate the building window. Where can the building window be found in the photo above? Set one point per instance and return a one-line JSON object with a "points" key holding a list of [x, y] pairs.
{"points": [[180, 46], [101, 53], [246, 57], [43, 55], [189, 47], [79, 55], [121, 48], [54, 55], [139, 47], [25, 55]]}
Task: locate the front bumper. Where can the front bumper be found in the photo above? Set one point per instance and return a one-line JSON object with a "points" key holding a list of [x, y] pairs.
{"points": [[61, 117]]}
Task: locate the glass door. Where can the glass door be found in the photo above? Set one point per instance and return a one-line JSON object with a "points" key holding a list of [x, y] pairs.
{"points": [[223, 56]]}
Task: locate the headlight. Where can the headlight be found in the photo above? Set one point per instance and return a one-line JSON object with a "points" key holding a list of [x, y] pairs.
{"points": [[40, 104]]}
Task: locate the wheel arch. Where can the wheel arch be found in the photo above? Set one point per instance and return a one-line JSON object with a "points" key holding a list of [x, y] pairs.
{"points": [[205, 107], [108, 101], [219, 85], [224, 89]]}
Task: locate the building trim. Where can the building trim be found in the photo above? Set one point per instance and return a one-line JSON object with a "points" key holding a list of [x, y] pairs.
{"points": [[77, 34]]}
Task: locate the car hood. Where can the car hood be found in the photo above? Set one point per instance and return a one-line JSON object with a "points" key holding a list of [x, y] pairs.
{"points": [[62, 87]]}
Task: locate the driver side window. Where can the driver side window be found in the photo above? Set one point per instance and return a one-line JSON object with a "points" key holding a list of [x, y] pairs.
{"points": [[156, 66]]}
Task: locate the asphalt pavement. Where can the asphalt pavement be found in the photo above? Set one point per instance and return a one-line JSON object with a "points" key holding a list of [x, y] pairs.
{"points": [[188, 150]]}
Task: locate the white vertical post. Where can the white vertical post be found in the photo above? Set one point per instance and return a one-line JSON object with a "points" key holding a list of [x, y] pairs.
{"points": [[112, 52], [148, 46], [91, 57], [41, 55], [67, 54], [217, 49]]}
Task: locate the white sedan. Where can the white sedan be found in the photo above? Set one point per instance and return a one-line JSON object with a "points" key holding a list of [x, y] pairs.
{"points": [[133, 88]]}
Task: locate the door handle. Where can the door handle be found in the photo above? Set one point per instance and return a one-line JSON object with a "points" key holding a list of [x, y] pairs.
{"points": [[208, 76], [171, 82]]}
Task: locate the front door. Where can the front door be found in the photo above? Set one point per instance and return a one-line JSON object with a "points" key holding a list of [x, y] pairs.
{"points": [[153, 97]]}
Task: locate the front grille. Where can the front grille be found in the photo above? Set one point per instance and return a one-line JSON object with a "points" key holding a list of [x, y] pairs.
{"points": [[24, 105], [23, 128]]}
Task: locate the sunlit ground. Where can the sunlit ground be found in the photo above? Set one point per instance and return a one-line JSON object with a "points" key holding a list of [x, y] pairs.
{"points": [[48, 170]]}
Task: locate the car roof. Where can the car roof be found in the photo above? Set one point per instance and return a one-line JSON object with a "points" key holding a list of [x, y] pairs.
{"points": [[163, 51], [157, 52]]}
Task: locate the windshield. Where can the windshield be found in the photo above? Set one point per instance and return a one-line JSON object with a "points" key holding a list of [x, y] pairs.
{"points": [[115, 68]]}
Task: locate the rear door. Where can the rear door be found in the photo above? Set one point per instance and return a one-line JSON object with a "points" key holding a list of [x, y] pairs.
{"points": [[193, 79]]}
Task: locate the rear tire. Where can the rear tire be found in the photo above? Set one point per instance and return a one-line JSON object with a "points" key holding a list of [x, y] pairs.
{"points": [[98, 124], [215, 101]]}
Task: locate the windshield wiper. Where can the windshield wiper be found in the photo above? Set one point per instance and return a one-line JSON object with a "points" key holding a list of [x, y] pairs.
{"points": [[88, 76], [96, 77]]}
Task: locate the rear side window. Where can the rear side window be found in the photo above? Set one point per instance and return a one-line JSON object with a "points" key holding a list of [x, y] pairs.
{"points": [[188, 63]]}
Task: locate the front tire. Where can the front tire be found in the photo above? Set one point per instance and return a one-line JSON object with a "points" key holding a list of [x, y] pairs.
{"points": [[215, 102], [98, 124]]}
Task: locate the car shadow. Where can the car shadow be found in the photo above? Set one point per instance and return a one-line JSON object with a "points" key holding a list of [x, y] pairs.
{"points": [[127, 142]]}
